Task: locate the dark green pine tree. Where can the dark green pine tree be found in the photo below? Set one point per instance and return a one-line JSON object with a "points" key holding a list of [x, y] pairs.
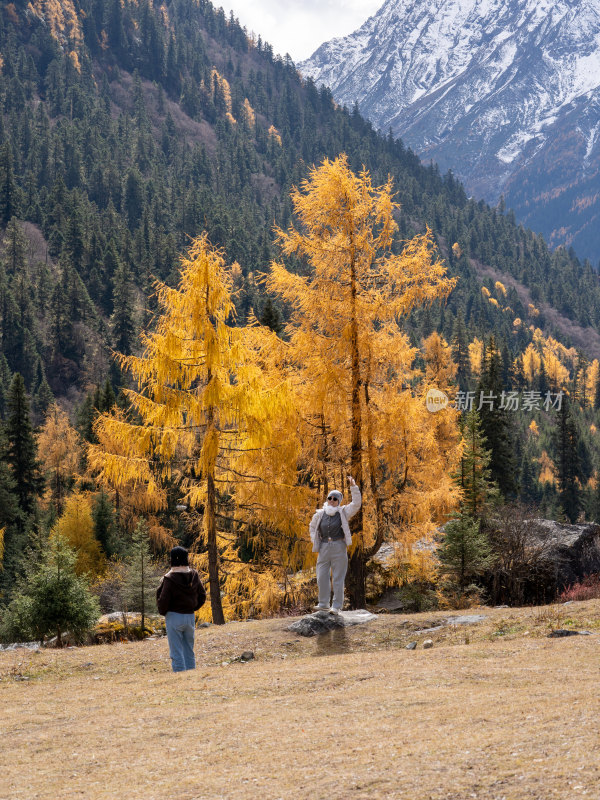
{"points": [[140, 589], [542, 381], [460, 353], [495, 422], [13, 536], [15, 248], [473, 475], [465, 551], [597, 394], [86, 414], [105, 529], [123, 314], [21, 451], [529, 488], [9, 205], [108, 396], [566, 460], [43, 398], [270, 317]]}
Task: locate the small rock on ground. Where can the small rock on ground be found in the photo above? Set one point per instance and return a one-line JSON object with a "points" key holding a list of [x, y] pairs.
{"points": [[466, 619]]}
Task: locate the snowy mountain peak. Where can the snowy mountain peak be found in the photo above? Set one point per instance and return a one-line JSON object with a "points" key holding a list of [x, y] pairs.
{"points": [[486, 87]]}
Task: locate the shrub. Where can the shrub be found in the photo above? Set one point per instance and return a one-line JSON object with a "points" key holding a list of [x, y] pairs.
{"points": [[51, 600], [587, 589]]}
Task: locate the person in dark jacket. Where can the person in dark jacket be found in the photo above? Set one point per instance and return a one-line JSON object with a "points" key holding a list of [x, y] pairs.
{"points": [[179, 594]]}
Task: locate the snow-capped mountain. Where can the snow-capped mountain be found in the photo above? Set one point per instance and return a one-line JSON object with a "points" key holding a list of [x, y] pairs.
{"points": [[506, 93]]}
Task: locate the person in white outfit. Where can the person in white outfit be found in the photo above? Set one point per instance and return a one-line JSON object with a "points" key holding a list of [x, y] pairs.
{"points": [[331, 537]]}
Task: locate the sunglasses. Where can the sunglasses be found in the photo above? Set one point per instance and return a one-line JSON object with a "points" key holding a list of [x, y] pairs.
{"points": [[332, 499]]}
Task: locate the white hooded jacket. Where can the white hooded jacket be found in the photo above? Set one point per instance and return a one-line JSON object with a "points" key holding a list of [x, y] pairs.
{"points": [[346, 513]]}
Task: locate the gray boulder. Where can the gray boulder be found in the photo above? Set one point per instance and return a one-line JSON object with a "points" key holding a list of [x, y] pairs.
{"points": [[323, 621], [573, 551]]}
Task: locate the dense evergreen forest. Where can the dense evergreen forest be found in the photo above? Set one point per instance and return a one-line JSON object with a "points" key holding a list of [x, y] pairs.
{"points": [[127, 128]]}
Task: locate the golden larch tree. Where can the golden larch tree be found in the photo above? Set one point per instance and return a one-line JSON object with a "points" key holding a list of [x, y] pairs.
{"points": [[59, 448], [201, 404], [352, 362], [76, 526]]}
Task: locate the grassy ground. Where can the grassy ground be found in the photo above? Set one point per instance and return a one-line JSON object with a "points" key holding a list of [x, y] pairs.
{"points": [[494, 710]]}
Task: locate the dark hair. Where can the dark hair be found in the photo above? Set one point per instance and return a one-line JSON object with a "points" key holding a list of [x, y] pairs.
{"points": [[179, 557]]}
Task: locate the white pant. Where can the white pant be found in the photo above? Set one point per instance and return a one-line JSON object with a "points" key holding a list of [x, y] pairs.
{"points": [[332, 561]]}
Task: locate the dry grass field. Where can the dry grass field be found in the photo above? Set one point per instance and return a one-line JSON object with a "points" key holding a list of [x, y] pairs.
{"points": [[494, 710]]}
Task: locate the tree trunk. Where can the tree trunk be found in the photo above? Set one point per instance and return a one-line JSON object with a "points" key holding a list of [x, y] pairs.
{"points": [[357, 573], [143, 598], [213, 553]]}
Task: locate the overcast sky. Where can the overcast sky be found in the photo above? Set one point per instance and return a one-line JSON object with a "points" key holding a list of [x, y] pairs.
{"points": [[298, 27]]}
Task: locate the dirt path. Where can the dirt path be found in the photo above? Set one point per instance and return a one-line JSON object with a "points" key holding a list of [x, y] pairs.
{"points": [[502, 716]]}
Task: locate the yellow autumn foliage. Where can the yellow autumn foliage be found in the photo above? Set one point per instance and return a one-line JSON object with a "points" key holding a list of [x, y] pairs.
{"points": [[274, 134], [476, 356], [531, 363], [59, 449], [350, 363], [208, 419], [76, 526], [61, 18], [533, 427], [546, 469], [248, 114]]}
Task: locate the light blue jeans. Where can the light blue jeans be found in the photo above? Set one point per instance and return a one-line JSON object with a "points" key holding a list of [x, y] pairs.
{"points": [[180, 635]]}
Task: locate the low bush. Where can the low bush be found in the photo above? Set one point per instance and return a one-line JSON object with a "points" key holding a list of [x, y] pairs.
{"points": [[587, 589]]}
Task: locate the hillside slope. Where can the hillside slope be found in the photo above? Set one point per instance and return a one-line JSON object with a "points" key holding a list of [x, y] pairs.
{"points": [[127, 128]]}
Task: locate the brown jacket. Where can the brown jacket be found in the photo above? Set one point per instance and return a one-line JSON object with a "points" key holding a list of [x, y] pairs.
{"points": [[182, 592]]}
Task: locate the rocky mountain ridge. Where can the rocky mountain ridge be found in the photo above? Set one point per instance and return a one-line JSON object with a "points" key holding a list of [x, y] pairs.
{"points": [[506, 93]]}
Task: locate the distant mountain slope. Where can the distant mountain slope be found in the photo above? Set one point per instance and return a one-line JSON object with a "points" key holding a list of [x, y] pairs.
{"points": [[506, 93]]}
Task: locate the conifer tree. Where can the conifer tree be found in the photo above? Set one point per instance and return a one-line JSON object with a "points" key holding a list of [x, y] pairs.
{"points": [[51, 600], [460, 353], [495, 422], [465, 551], [270, 317], [103, 517], [60, 450], [201, 403], [352, 359], [474, 474], [566, 461], [76, 527], [9, 195], [123, 313], [13, 538], [140, 586], [22, 451]]}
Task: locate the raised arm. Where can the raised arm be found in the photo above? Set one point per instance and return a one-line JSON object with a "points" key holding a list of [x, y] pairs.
{"points": [[356, 501]]}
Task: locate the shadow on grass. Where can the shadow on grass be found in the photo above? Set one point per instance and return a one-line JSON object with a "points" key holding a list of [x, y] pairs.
{"points": [[332, 643]]}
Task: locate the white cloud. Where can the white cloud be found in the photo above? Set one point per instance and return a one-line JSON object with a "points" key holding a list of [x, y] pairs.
{"points": [[298, 27]]}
